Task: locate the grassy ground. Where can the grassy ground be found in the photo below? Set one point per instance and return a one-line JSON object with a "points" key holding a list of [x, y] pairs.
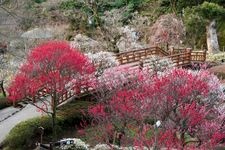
{"points": [[69, 121], [3, 102]]}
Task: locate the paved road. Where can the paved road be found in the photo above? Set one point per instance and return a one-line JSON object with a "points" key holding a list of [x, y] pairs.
{"points": [[29, 111], [5, 113]]}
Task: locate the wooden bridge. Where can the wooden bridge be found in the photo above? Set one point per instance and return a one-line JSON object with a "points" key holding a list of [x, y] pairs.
{"points": [[134, 59], [180, 58]]}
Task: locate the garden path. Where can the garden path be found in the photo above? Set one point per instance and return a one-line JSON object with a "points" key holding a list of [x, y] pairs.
{"points": [[12, 116]]}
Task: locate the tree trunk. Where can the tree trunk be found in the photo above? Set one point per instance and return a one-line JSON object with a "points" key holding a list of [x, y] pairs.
{"points": [[212, 41], [53, 127], [182, 137], [118, 135], [2, 88], [54, 105]]}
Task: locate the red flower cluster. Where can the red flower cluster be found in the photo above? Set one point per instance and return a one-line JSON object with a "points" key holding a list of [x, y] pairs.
{"points": [[180, 99], [51, 65]]}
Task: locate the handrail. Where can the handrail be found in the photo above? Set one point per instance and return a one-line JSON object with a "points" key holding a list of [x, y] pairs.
{"points": [[136, 50], [143, 49], [135, 56]]}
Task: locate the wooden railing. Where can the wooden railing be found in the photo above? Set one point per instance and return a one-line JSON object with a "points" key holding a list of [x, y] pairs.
{"points": [[134, 60], [181, 57], [137, 55], [65, 96], [198, 56]]}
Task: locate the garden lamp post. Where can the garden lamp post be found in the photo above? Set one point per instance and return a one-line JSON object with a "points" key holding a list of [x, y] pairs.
{"points": [[41, 129]]}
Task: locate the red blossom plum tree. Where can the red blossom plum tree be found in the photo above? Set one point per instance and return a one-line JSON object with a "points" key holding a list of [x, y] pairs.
{"points": [[174, 109], [51, 65]]}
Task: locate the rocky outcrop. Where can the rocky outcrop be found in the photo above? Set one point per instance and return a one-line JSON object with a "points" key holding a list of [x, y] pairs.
{"points": [[16, 44], [212, 41], [38, 33], [86, 44], [128, 40], [35, 36], [124, 38], [167, 29]]}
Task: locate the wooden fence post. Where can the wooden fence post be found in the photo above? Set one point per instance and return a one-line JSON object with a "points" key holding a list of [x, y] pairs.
{"points": [[189, 50], [171, 51], [141, 64], [34, 99], [157, 52], [66, 95], [205, 52], [167, 46]]}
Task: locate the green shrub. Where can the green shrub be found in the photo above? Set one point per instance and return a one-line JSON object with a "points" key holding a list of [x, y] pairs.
{"points": [[70, 4], [39, 1], [25, 134], [73, 113], [221, 34], [25, 23], [3, 102], [195, 27], [1, 95], [84, 17], [118, 3]]}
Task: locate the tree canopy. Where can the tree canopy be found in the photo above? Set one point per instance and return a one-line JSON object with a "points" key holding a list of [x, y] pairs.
{"points": [[52, 66], [174, 109]]}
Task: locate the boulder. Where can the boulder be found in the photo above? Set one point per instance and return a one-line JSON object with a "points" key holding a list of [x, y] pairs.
{"points": [[86, 44], [38, 33], [36, 36]]}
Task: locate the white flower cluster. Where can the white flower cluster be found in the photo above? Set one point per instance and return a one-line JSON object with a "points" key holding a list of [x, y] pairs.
{"points": [[157, 64], [216, 95], [118, 77], [73, 143], [107, 147], [80, 145], [101, 147], [103, 60], [216, 57]]}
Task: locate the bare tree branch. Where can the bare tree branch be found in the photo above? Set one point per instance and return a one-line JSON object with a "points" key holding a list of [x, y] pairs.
{"points": [[29, 99]]}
